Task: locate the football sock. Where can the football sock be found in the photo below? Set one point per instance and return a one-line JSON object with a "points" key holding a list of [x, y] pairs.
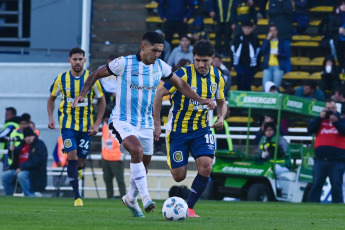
{"points": [[72, 173], [198, 187], [138, 172], [132, 190]]}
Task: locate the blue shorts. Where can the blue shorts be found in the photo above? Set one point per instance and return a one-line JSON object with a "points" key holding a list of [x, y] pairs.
{"points": [[76, 140], [198, 143]]}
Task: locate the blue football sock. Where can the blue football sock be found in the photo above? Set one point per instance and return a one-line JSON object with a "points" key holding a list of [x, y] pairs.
{"points": [[72, 173], [198, 187]]}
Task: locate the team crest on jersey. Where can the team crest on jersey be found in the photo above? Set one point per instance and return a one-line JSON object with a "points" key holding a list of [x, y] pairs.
{"points": [[213, 87], [67, 143], [156, 76], [178, 157]]}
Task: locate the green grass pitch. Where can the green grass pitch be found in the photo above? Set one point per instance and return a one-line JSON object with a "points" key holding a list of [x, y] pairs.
{"points": [[59, 213]]}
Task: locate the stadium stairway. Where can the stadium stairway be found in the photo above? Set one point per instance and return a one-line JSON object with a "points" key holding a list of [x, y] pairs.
{"points": [[117, 28]]}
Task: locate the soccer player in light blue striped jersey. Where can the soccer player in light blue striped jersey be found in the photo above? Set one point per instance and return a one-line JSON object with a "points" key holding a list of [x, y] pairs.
{"points": [[131, 121]]}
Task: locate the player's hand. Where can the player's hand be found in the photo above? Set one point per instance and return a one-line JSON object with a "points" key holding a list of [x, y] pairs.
{"points": [[93, 129], [51, 123], [157, 132], [77, 100], [219, 124], [210, 104]]}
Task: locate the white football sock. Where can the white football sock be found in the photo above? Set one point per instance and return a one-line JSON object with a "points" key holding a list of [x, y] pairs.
{"points": [[133, 190], [138, 172]]}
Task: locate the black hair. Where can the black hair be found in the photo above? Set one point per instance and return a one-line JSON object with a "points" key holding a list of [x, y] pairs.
{"points": [[153, 38], [330, 100], [341, 91], [247, 23], [184, 36], [76, 50], [204, 48], [270, 124], [25, 117], [12, 110], [310, 83]]}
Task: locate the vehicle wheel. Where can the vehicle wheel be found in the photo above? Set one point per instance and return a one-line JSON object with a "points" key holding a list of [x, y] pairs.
{"points": [[260, 192]]}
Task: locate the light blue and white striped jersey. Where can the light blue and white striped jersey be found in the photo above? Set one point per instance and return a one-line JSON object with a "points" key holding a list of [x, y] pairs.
{"points": [[136, 85]]}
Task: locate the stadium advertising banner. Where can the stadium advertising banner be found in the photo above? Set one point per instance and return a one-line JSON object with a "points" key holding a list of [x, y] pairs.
{"points": [[275, 101]]}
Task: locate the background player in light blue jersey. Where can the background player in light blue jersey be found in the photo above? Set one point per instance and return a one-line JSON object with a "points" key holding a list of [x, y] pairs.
{"points": [[131, 121], [189, 129]]}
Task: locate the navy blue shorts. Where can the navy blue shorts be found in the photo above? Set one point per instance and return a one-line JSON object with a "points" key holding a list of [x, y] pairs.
{"points": [[198, 143], [76, 140]]}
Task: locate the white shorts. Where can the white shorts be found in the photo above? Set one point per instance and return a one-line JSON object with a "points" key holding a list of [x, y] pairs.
{"points": [[122, 129]]}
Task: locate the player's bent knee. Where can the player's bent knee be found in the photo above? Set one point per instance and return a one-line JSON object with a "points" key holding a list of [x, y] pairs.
{"points": [[179, 177]]}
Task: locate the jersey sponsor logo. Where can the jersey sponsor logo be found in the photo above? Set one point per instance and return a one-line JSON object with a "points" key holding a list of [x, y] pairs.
{"points": [[80, 104], [67, 143], [142, 87], [213, 88], [177, 156]]}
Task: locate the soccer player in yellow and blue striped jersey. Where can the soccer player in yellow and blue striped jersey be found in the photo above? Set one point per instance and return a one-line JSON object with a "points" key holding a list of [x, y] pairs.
{"points": [[77, 124], [189, 129]]}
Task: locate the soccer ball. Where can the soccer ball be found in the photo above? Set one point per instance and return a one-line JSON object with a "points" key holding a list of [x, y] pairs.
{"points": [[175, 208]]}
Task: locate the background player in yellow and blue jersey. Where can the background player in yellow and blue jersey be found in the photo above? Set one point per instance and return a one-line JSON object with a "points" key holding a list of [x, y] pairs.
{"points": [[189, 130], [77, 124]]}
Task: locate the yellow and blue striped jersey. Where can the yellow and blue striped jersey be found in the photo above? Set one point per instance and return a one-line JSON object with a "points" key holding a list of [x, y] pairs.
{"points": [[79, 118], [188, 115]]}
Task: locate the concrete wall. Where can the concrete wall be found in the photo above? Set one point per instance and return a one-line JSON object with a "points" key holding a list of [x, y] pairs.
{"points": [[25, 86]]}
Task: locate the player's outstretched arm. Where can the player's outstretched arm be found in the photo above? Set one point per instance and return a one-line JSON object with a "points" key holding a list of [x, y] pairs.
{"points": [[157, 106], [101, 104], [90, 81], [186, 90], [50, 109], [221, 111]]}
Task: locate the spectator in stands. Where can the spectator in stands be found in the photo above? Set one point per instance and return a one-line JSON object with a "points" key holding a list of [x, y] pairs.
{"points": [[270, 87], [167, 48], [181, 63], [242, 11], [113, 160], [220, 11], [245, 50], [329, 160], [275, 56], [11, 124], [267, 147], [337, 29], [262, 7], [279, 12], [175, 15], [339, 97], [309, 90], [183, 51], [109, 85], [29, 166], [199, 31], [217, 62], [329, 75], [289, 88], [300, 16]]}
